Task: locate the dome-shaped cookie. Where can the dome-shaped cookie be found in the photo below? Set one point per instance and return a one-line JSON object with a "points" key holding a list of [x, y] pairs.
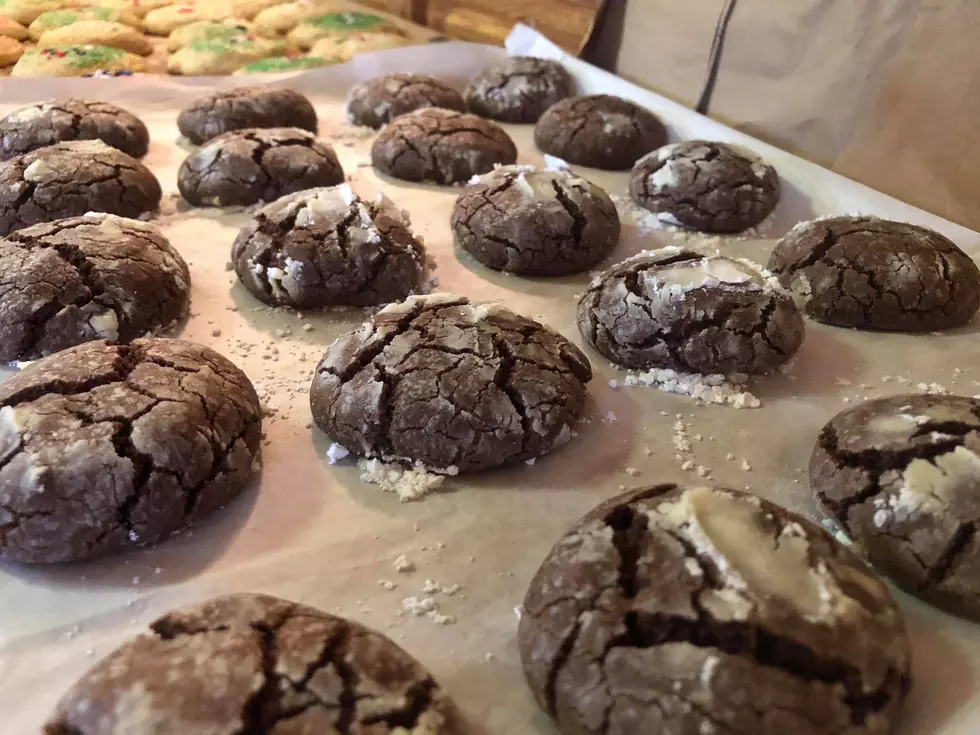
{"points": [[245, 107], [679, 310], [441, 146], [236, 663], [70, 179], [453, 385], [113, 446], [692, 610], [378, 101], [86, 278], [257, 165], [518, 89], [538, 223], [871, 273], [902, 477], [328, 247], [711, 187], [45, 123]]}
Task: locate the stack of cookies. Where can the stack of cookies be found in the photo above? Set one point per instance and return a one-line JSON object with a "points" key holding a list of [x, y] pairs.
{"points": [[195, 37]]}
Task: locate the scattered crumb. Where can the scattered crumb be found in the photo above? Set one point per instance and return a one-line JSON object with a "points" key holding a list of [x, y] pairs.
{"points": [[716, 390], [632, 471], [746, 467], [336, 452], [387, 584], [408, 484], [730, 457], [404, 565]]}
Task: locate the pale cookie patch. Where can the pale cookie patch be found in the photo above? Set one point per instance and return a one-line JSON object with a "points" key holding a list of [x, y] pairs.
{"points": [[677, 310], [60, 18], [679, 609], [901, 475], [344, 47], [165, 20], [100, 32]]}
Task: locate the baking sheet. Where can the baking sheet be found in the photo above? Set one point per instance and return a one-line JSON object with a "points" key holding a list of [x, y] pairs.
{"points": [[316, 533]]}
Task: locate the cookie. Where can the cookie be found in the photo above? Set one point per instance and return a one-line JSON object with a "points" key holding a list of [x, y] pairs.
{"points": [[710, 187], [257, 165], [220, 57], [678, 310], [138, 7], [278, 64], [870, 273], [676, 609], [245, 107], [518, 89], [76, 61], [343, 48], [600, 131], [165, 20], [61, 18], [100, 32], [442, 146], [336, 25], [284, 16], [212, 30], [378, 101], [328, 247], [900, 475], [455, 386], [70, 179], [536, 223], [10, 50], [26, 12], [248, 9], [12, 29], [45, 123], [250, 663], [86, 278], [110, 447]]}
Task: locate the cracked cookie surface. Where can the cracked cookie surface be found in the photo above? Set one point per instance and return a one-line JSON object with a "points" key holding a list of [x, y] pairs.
{"points": [[86, 278], [676, 309], [105, 447], [441, 146], [245, 107], [71, 179], [378, 101], [257, 664], [872, 273], [257, 165], [533, 222], [711, 187], [453, 385], [705, 610], [902, 477], [600, 131], [328, 247], [45, 123], [518, 89]]}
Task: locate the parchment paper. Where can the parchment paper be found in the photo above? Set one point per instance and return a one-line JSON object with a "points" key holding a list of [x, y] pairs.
{"points": [[316, 533]]}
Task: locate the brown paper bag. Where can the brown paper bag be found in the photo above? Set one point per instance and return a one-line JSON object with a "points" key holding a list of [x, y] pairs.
{"points": [[882, 91]]}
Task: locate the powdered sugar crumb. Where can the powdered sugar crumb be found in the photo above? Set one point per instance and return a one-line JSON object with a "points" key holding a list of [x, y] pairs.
{"points": [[717, 389]]}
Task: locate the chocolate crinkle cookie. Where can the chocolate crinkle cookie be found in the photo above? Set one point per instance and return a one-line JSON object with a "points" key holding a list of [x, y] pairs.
{"points": [[249, 663], [86, 278], [600, 131], [518, 89], [711, 187], [871, 273], [378, 101], [257, 165], [676, 309], [901, 475], [537, 223], [70, 179], [104, 447], [676, 609], [245, 107], [453, 385], [45, 123], [441, 146], [328, 247]]}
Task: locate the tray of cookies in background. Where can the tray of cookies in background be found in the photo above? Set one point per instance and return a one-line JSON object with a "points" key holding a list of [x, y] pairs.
{"points": [[77, 38]]}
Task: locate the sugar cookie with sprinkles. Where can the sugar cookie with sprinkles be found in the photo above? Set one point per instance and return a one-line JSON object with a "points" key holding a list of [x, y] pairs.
{"points": [[76, 61], [61, 18]]}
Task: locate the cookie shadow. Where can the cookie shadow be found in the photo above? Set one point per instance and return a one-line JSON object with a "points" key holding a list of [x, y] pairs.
{"points": [[268, 319], [794, 207], [824, 359], [943, 679], [184, 555], [522, 284]]}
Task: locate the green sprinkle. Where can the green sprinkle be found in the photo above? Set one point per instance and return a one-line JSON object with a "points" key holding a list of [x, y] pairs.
{"points": [[220, 45], [345, 21], [282, 63]]}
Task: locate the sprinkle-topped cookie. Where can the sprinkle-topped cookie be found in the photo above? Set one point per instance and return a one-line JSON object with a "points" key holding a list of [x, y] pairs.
{"points": [[76, 61]]}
